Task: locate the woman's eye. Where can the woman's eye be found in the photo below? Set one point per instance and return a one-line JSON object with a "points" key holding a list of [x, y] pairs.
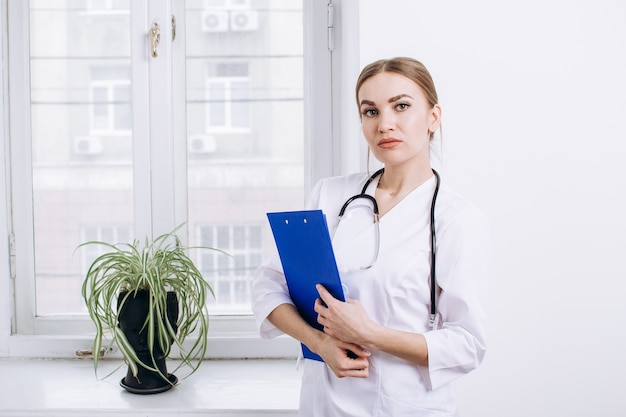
{"points": [[369, 112], [402, 106]]}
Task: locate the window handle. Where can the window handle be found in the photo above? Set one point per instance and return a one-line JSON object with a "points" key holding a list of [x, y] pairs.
{"points": [[155, 39]]}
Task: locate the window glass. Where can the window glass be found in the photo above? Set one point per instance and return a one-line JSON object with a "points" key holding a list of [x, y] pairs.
{"points": [[245, 125], [81, 140]]}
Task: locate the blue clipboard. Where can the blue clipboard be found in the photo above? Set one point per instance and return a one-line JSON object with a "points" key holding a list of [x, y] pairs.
{"points": [[307, 257]]}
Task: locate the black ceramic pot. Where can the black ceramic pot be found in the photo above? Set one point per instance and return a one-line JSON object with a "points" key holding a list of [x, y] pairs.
{"points": [[132, 317]]}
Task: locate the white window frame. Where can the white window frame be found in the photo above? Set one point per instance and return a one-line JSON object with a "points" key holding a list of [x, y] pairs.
{"points": [[6, 245], [21, 334]]}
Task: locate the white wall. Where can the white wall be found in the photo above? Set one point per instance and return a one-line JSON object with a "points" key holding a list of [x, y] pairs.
{"points": [[534, 99]]}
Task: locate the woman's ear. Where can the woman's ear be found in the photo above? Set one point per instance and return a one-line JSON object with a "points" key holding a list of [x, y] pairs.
{"points": [[435, 118]]}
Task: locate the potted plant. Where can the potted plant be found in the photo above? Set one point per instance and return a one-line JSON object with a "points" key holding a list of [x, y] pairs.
{"points": [[150, 297]]}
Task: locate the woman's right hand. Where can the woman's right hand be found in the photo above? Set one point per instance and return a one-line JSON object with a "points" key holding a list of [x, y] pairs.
{"points": [[344, 359]]}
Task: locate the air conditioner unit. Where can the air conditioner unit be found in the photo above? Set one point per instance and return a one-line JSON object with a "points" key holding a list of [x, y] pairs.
{"points": [[201, 144], [244, 20], [87, 145], [215, 21]]}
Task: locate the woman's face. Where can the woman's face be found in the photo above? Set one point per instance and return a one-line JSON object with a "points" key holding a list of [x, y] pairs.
{"points": [[396, 119]]}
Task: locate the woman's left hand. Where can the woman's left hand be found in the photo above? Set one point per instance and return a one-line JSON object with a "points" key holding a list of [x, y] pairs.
{"points": [[346, 321]]}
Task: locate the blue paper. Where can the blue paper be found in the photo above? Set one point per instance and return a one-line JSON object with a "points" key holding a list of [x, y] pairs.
{"points": [[307, 257]]}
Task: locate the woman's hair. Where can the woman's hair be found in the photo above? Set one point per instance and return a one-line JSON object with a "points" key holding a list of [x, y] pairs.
{"points": [[408, 67]]}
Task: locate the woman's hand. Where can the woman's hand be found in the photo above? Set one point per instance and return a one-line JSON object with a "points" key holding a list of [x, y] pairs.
{"points": [[344, 359], [349, 322], [346, 321]]}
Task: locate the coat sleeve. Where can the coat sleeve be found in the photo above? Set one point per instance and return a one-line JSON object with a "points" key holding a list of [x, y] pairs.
{"points": [[269, 287], [269, 290], [458, 346]]}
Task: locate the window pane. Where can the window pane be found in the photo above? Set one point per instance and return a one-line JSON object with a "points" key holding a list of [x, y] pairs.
{"points": [[81, 140], [122, 108], [240, 116], [216, 99], [100, 108], [244, 88]]}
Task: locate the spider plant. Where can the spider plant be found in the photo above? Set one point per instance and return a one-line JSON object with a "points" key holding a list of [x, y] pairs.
{"points": [[158, 267]]}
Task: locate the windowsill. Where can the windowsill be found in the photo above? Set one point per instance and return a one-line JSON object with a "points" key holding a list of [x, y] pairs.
{"points": [[54, 388]]}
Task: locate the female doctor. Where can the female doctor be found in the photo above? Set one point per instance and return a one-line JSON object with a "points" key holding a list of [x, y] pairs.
{"points": [[383, 355]]}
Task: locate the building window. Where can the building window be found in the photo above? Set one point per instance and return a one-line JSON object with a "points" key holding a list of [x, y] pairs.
{"points": [[228, 97], [109, 234], [230, 276], [110, 91]]}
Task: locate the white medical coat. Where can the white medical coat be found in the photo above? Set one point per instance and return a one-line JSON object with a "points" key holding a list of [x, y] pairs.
{"points": [[395, 292]]}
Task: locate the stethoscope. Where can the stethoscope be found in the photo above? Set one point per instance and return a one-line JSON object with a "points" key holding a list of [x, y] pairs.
{"points": [[433, 236]]}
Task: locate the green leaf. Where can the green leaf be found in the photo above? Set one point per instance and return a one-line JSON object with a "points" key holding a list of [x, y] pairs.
{"points": [[158, 266]]}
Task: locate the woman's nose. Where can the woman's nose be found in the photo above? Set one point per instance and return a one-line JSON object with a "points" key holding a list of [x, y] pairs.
{"points": [[386, 122]]}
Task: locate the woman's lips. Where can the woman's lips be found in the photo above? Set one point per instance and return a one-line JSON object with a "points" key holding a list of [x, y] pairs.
{"points": [[389, 143]]}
